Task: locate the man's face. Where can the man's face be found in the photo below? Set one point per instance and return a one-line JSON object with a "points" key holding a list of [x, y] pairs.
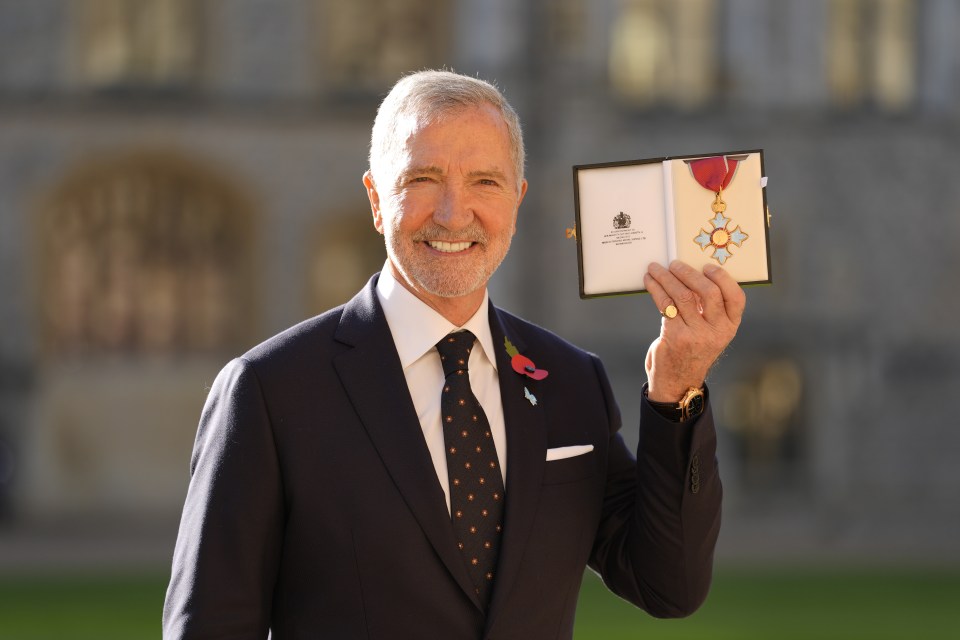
{"points": [[448, 207]]}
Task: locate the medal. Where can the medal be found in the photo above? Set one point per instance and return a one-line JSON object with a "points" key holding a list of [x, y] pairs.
{"points": [[715, 174]]}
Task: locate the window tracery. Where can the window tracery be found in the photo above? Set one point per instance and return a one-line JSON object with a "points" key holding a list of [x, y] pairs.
{"points": [[145, 255], [138, 43], [368, 43], [871, 53], [662, 52]]}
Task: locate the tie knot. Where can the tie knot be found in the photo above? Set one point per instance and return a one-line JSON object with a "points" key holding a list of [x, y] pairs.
{"points": [[454, 351]]}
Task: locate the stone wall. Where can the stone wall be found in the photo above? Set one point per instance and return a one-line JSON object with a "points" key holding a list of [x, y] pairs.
{"points": [[858, 329]]}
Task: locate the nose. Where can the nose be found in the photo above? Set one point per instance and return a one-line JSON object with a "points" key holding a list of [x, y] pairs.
{"points": [[454, 210]]}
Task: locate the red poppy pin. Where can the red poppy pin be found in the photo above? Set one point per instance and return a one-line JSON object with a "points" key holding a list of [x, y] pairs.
{"points": [[522, 364]]}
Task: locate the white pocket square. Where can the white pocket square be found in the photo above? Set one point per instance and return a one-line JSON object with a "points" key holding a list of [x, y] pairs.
{"points": [[559, 453]]}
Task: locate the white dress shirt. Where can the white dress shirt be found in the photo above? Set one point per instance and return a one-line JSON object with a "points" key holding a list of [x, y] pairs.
{"points": [[416, 329]]}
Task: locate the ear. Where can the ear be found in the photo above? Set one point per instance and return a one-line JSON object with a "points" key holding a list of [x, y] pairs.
{"points": [[523, 192], [374, 197]]}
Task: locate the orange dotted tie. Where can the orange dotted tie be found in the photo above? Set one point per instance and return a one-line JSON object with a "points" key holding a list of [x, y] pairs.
{"points": [[476, 486]]}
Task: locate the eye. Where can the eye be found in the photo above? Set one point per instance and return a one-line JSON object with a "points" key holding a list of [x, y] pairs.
{"points": [[490, 182]]}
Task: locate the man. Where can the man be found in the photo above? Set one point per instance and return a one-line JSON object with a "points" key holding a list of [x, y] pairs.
{"points": [[421, 464]]}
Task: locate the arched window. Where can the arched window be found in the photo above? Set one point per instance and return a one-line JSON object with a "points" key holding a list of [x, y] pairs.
{"points": [[663, 52], [871, 53], [763, 412], [368, 44], [140, 44], [566, 27], [346, 250], [145, 254]]}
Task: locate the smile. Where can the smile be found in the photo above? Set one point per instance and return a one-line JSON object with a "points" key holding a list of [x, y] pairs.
{"points": [[449, 247]]}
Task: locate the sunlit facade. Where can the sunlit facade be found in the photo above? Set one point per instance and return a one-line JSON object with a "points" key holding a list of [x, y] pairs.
{"points": [[180, 179]]}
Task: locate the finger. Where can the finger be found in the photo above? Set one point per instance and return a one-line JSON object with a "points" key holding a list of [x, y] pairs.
{"points": [[709, 294], [683, 297], [657, 293], [734, 298]]}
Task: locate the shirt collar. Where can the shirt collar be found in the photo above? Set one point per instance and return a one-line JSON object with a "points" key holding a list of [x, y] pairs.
{"points": [[417, 328]]}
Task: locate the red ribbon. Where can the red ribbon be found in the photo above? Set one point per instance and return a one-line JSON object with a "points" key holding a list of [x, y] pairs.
{"points": [[714, 173]]}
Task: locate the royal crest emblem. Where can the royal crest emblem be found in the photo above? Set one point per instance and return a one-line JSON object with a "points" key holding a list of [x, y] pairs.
{"points": [[621, 221]]}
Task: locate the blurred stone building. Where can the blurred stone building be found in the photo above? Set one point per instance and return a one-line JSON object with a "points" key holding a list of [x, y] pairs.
{"points": [[180, 179]]}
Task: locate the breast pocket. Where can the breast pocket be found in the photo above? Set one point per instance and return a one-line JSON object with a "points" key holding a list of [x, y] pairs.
{"points": [[570, 469]]}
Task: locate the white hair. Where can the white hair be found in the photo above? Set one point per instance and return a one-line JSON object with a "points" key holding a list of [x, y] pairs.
{"points": [[421, 98]]}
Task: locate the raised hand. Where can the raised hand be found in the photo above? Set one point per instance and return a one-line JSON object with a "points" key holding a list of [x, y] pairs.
{"points": [[709, 308]]}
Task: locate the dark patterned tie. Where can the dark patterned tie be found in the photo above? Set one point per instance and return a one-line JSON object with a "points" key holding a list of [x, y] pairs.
{"points": [[476, 486]]}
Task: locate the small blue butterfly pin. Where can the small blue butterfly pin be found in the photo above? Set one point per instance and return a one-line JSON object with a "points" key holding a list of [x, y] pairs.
{"points": [[529, 396]]}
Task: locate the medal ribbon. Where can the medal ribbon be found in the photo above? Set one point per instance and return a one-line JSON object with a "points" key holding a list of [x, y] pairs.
{"points": [[714, 173]]}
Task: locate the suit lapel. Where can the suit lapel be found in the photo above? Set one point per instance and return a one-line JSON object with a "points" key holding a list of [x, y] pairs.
{"points": [[374, 381], [526, 456]]}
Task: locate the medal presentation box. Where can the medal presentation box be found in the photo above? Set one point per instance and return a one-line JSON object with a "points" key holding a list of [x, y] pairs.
{"points": [[702, 209]]}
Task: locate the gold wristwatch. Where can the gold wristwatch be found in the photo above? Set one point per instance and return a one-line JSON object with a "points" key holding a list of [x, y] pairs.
{"points": [[689, 407]]}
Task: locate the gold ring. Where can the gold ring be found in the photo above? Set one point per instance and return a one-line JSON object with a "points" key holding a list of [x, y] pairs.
{"points": [[669, 312]]}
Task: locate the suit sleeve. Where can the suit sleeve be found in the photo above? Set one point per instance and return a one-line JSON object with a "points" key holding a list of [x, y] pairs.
{"points": [[228, 547], [661, 512]]}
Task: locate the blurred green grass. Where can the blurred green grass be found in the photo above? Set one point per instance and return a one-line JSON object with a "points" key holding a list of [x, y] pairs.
{"points": [[783, 603], [792, 603]]}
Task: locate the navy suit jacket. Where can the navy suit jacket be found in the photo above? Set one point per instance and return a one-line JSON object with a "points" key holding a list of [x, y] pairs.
{"points": [[314, 509]]}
